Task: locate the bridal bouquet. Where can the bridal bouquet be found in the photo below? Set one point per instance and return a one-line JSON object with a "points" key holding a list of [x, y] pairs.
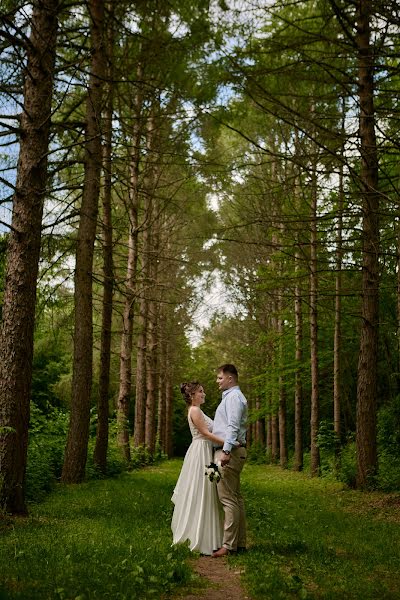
{"points": [[213, 472]]}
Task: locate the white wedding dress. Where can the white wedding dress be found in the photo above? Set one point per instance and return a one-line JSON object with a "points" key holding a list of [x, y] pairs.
{"points": [[197, 514]]}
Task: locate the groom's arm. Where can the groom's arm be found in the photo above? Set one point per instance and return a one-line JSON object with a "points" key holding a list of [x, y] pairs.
{"points": [[234, 411]]}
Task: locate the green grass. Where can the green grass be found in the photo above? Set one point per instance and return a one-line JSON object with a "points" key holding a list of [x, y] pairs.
{"points": [[310, 539], [102, 539], [313, 539]]}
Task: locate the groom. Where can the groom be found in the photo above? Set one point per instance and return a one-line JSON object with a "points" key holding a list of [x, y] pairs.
{"points": [[230, 425]]}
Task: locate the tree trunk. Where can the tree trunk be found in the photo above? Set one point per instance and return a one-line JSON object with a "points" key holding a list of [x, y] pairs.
{"points": [[17, 327], [141, 377], [151, 344], [259, 427], [283, 457], [314, 421], [162, 343], [169, 403], [125, 369], [368, 358], [274, 438], [268, 429], [140, 398], [398, 306], [338, 309], [78, 432], [100, 449], [161, 412], [151, 372], [298, 317]]}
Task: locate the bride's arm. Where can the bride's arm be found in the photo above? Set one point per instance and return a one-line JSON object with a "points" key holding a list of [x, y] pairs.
{"points": [[199, 422]]}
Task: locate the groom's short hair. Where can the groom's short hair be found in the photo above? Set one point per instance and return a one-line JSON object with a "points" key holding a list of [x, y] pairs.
{"points": [[231, 369]]}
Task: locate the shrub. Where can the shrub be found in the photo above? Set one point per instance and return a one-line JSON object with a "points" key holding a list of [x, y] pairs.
{"points": [[348, 464], [47, 434], [388, 478]]}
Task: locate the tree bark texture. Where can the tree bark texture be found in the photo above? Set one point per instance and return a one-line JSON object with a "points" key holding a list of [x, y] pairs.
{"points": [[101, 445], [368, 357], [78, 432], [17, 327], [283, 456]]}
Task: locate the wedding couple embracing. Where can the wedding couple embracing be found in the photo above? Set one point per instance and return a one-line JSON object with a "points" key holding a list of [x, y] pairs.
{"points": [[211, 515]]}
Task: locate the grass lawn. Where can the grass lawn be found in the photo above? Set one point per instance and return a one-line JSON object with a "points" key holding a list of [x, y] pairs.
{"points": [[102, 539], [310, 539]]}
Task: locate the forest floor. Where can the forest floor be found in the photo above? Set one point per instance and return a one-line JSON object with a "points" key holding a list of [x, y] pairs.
{"points": [[311, 539]]}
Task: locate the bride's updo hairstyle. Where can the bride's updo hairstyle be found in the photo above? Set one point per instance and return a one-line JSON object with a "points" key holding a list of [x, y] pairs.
{"points": [[188, 389]]}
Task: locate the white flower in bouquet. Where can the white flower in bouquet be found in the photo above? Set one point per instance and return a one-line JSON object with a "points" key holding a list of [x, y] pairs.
{"points": [[213, 472]]}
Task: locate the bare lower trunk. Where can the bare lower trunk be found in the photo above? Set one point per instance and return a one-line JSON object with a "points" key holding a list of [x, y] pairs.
{"points": [[152, 342], [259, 427], [151, 372], [268, 428], [78, 432], [283, 458], [140, 398], [161, 412], [368, 358], [17, 327], [274, 438], [298, 393], [160, 435], [169, 403]]}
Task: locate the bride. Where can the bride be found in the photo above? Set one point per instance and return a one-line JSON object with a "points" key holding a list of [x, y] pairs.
{"points": [[197, 514]]}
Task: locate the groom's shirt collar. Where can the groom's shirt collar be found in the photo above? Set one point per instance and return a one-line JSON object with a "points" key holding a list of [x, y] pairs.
{"points": [[225, 392]]}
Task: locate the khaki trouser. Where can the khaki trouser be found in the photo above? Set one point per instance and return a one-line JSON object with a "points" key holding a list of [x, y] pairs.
{"points": [[232, 500]]}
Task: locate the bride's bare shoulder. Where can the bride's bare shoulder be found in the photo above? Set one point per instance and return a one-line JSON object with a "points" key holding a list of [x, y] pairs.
{"points": [[195, 413]]}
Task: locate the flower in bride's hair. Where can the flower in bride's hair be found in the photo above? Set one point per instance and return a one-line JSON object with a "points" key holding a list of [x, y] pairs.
{"points": [[213, 472]]}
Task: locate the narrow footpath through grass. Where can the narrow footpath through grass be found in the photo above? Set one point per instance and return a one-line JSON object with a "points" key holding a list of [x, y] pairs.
{"points": [[309, 539]]}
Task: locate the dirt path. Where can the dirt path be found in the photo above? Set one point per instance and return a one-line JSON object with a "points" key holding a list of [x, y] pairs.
{"points": [[224, 582]]}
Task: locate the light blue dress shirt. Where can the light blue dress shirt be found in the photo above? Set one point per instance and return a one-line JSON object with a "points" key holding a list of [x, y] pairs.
{"points": [[230, 418]]}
